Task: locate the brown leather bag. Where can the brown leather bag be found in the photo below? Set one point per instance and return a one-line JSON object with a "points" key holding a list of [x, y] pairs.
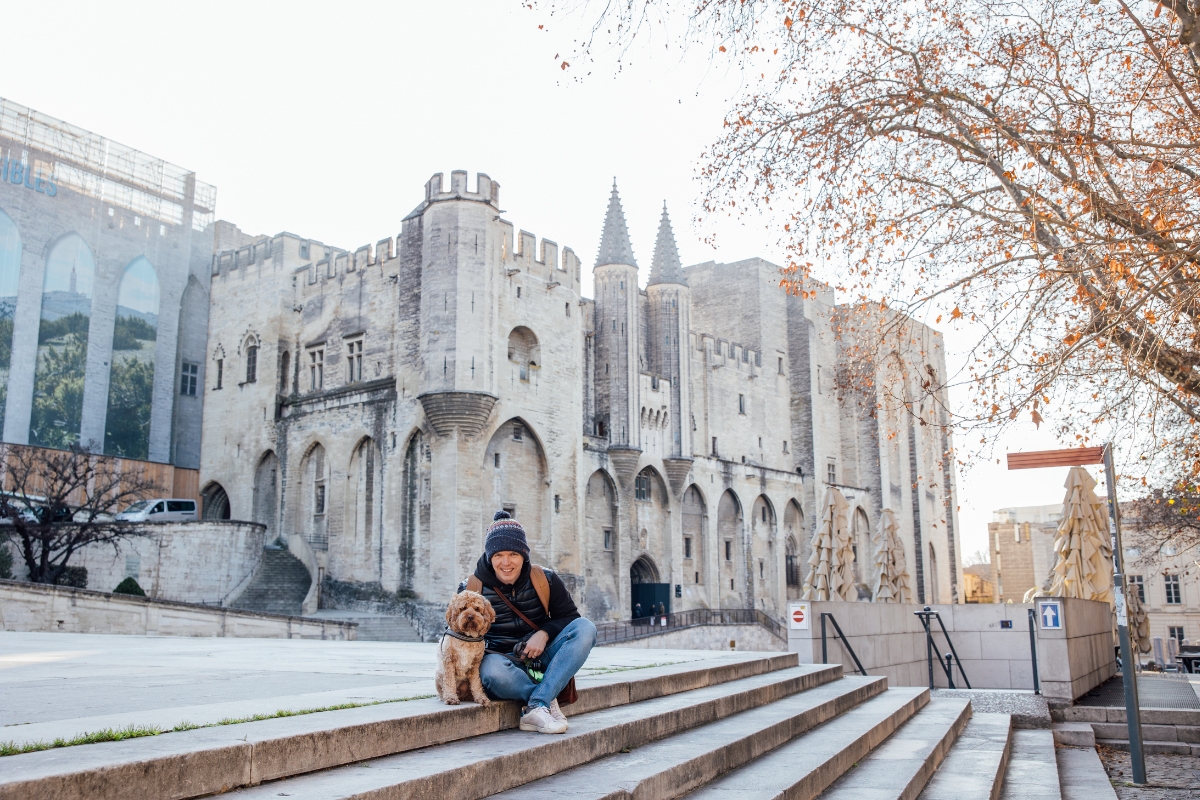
{"points": [[541, 585]]}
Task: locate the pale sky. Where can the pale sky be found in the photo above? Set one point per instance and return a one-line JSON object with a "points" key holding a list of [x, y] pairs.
{"points": [[326, 120]]}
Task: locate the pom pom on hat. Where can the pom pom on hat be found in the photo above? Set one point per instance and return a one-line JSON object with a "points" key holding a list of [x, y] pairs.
{"points": [[505, 533]]}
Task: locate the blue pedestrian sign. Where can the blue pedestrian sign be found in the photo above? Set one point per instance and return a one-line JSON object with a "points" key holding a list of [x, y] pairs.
{"points": [[1050, 612]]}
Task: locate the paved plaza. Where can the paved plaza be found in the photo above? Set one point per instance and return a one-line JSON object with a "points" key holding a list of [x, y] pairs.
{"points": [[65, 684]]}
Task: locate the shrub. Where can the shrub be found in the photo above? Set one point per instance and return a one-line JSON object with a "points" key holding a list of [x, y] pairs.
{"points": [[129, 586], [6, 561], [75, 577]]}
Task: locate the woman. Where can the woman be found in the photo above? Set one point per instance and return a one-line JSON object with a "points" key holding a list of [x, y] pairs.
{"points": [[561, 640]]}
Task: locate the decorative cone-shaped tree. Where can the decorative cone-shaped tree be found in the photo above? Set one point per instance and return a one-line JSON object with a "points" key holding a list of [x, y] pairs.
{"points": [[831, 567], [1083, 568], [1139, 623], [892, 585]]}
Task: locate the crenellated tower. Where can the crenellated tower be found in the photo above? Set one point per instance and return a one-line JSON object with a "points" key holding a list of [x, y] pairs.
{"points": [[669, 299], [616, 341]]}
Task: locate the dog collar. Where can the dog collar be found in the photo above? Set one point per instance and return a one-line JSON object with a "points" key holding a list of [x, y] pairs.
{"points": [[462, 637]]}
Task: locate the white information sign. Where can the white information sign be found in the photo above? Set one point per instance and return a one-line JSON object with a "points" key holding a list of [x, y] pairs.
{"points": [[798, 616], [1050, 614]]}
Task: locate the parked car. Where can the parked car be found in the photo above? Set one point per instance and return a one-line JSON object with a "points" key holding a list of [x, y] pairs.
{"points": [[160, 510]]}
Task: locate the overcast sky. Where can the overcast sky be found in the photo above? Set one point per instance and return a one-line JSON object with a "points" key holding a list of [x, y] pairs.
{"points": [[326, 120]]}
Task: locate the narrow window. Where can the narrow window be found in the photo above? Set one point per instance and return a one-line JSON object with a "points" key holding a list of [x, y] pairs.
{"points": [[696, 579], [760, 569], [780, 365], [518, 432], [316, 369], [1176, 633], [567, 308], [687, 547], [251, 363], [556, 504], [497, 460], [319, 499], [1173, 594], [729, 552], [731, 584], [785, 447], [831, 472], [608, 538], [741, 404], [764, 513], [518, 291], [641, 487], [760, 443], [354, 356], [220, 371], [285, 371], [187, 384], [714, 447]]}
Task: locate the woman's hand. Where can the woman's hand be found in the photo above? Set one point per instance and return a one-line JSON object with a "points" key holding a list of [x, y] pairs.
{"points": [[535, 644]]}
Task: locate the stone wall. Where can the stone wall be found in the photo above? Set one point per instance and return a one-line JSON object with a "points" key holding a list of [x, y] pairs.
{"points": [[889, 639], [712, 637], [189, 562], [37, 607]]}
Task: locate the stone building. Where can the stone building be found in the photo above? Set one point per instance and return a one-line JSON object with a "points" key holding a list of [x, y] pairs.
{"points": [[667, 443], [104, 273], [1021, 541]]}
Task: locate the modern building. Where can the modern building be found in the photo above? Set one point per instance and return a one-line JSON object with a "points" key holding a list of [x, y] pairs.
{"points": [[673, 435], [105, 257]]}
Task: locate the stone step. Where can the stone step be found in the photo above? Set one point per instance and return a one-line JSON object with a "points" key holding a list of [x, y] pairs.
{"points": [[974, 767], [486, 765], [279, 586], [1032, 771], [1081, 775], [187, 764], [899, 768], [1150, 746], [687, 761]]}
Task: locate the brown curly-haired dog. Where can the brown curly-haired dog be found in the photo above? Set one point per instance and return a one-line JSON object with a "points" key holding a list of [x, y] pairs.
{"points": [[457, 677]]}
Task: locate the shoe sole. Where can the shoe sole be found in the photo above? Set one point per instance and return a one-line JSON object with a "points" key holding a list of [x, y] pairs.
{"points": [[528, 727]]}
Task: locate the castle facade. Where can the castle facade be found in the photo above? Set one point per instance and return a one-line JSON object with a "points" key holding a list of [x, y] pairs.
{"points": [[670, 443]]}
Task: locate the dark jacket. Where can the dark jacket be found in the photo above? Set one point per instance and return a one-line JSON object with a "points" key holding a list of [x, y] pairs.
{"points": [[509, 629]]}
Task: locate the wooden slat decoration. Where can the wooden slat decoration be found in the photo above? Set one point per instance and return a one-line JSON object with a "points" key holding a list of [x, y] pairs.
{"points": [[1070, 457]]}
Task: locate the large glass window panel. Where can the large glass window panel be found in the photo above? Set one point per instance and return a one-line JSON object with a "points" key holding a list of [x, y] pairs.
{"points": [[62, 345], [10, 271], [131, 376]]}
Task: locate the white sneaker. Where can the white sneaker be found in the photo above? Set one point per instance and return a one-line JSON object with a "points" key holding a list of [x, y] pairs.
{"points": [[539, 719], [556, 712]]}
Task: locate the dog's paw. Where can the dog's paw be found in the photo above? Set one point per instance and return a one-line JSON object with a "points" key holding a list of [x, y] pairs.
{"points": [[450, 701], [483, 701]]}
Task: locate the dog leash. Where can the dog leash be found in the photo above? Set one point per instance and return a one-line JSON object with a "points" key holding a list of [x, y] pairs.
{"points": [[462, 637]]}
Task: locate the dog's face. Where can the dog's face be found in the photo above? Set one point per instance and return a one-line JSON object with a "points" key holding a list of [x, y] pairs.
{"points": [[470, 614]]}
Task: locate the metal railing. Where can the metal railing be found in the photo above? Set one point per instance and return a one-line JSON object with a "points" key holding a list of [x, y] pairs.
{"points": [[951, 658], [625, 630], [845, 643]]}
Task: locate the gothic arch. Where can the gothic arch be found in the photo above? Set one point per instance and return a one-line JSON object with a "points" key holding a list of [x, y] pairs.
{"points": [[214, 502], [864, 564], [696, 555], [795, 536], [764, 558], [265, 506], [524, 353], [730, 554], [360, 545], [312, 504], [415, 501], [10, 274], [601, 531], [516, 478], [131, 374]]}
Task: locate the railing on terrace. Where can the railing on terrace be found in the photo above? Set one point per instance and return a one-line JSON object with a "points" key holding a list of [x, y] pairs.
{"points": [[625, 630]]}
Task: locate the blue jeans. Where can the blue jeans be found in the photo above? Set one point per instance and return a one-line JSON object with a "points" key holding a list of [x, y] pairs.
{"points": [[563, 657]]}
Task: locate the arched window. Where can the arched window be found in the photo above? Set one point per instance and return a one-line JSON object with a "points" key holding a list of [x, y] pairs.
{"points": [[62, 345], [524, 352], [131, 376], [214, 502], [10, 272], [251, 361]]}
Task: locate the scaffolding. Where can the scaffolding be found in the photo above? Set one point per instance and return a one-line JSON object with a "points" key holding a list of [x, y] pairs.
{"points": [[93, 165]]}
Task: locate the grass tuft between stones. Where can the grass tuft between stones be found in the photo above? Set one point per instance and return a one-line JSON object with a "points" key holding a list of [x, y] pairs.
{"points": [[11, 748]]}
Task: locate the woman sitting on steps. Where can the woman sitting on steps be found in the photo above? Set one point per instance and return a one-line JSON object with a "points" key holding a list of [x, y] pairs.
{"points": [[538, 629]]}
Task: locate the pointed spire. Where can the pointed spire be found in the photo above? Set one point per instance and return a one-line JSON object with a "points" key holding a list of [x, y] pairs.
{"points": [[666, 267], [614, 242]]}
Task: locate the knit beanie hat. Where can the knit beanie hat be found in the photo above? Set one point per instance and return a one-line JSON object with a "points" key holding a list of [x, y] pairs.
{"points": [[505, 533]]}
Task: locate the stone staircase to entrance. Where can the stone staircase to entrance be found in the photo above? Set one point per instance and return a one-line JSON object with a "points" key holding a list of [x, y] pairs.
{"points": [[748, 727], [279, 586]]}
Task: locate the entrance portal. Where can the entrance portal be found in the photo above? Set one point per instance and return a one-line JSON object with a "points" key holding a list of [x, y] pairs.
{"points": [[646, 594]]}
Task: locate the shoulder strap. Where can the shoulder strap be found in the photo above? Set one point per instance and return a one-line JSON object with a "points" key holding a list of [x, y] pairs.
{"points": [[541, 585], [474, 584], [517, 611]]}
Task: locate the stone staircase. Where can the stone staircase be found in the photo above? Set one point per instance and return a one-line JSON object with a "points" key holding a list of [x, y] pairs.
{"points": [[375, 627], [279, 586], [752, 726]]}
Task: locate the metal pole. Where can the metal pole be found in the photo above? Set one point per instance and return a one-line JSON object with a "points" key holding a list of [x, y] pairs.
{"points": [[824, 652], [928, 648], [950, 670], [1133, 719], [1037, 685]]}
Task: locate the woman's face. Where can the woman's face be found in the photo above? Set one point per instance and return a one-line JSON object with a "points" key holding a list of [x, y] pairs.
{"points": [[507, 565]]}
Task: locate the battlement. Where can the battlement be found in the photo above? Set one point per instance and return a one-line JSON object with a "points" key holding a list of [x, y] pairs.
{"points": [[486, 189], [726, 352]]}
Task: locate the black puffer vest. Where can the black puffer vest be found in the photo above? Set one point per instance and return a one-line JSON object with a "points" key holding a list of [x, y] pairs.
{"points": [[508, 629]]}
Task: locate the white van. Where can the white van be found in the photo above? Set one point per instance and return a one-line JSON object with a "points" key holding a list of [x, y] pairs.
{"points": [[165, 510]]}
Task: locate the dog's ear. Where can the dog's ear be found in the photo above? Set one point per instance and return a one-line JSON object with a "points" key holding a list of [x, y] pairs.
{"points": [[451, 610], [488, 612]]}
